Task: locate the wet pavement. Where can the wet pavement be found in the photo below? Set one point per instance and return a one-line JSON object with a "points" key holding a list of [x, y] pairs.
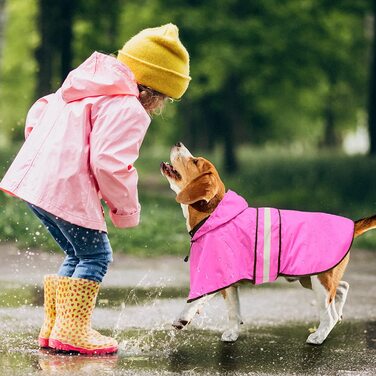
{"points": [[139, 300]]}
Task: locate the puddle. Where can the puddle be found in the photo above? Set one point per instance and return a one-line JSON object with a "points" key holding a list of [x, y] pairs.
{"points": [[277, 350]]}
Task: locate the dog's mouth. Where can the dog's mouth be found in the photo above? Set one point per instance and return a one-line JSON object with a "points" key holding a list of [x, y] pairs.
{"points": [[169, 170]]}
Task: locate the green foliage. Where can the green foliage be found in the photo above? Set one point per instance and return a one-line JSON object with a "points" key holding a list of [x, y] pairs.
{"points": [[328, 182], [284, 65], [270, 72], [17, 68], [95, 28]]}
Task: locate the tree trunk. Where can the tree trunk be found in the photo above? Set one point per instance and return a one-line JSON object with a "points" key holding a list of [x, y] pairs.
{"points": [[230, 119], [54, 54], [230, 161], [45, 52], [330, 139], [372, 90], [66, 35], [188, 119]]}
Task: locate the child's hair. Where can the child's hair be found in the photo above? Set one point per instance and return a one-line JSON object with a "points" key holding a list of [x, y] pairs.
{"points": [[153, 101]]}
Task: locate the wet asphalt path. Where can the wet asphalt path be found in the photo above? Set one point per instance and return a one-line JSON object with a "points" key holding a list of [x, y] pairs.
{"points": [[141, 297]]}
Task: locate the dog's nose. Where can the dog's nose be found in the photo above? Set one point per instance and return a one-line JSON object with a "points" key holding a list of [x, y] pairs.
{"points": [[179, 144]]}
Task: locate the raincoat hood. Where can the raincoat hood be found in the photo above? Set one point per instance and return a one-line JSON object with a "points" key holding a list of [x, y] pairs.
{"points": [[230, 207], [92, 78]]}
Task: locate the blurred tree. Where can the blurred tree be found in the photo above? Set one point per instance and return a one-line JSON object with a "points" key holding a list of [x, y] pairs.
{"points": [[54, 53], [70, 31], [96, 27], [372, 88], [261, 72], [67, 9], [2, 26], [17, 69], [342, 59]]}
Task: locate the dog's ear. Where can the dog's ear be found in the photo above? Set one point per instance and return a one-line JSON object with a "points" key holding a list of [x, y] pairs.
{"points": [[203, 187]]}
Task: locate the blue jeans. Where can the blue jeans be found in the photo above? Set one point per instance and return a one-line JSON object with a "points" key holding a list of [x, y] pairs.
{"points": [[88, 252]]}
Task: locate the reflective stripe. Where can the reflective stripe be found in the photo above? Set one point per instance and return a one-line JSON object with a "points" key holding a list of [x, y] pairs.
{"points": [[267, 244]]}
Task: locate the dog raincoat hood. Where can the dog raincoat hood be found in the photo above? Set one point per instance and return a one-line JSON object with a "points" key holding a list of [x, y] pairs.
{"points": [[238, 242]]}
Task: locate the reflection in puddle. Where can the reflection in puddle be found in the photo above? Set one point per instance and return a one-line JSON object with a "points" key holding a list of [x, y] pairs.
{"points": [[228, 356], [56, 362], [371, 334]]}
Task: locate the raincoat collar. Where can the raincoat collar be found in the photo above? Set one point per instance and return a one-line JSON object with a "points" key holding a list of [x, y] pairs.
{"points": [[230, 206], [99, 75], [197, 227]]}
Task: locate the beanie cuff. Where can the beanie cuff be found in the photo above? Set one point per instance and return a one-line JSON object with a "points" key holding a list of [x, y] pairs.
{"points": [[167, 82]]}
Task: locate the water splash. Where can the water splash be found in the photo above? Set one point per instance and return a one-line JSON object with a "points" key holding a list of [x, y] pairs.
{"points": [[146, 342]]}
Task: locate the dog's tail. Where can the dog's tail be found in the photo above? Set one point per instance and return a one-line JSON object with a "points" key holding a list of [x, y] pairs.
{"points": [[363, 225]]}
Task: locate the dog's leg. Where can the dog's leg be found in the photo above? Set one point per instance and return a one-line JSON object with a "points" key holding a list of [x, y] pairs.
{"points": [[231, 296], [341, 295], [190, 311], [328, 313]]}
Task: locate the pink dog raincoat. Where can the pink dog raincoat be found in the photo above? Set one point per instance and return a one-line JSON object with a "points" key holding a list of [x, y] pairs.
{"points": [[238, 242], [81, 143]]}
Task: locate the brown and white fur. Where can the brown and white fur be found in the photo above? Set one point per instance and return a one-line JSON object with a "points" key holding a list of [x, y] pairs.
{"points": [[199, 189]]}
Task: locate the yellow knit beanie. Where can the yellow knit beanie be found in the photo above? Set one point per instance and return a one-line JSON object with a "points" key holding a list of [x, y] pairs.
{"points": [[158, 60]]}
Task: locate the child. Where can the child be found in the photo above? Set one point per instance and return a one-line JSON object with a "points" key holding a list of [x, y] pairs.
{"points": [[81, 144]]}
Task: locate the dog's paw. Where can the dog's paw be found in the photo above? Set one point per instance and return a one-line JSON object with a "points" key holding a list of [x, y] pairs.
{"points": [[316, 338], [230, 335], [180, 324]]}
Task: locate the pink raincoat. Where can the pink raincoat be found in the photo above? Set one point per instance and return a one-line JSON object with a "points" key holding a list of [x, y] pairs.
{"points": [[81, 143], [259, 244]]}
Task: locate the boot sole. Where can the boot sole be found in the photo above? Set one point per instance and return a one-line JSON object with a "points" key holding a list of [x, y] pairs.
{"points": [[57, 345], [43, 342]]}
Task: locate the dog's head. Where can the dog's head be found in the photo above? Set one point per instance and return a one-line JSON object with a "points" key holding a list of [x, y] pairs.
{"points": [[195, 180]]}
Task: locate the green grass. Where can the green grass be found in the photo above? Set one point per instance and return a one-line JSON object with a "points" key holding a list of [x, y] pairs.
{"points": [[328, 182]]}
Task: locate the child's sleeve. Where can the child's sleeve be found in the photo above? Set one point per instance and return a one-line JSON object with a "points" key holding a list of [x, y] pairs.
{"points": [[119, 125], [35, 113]]}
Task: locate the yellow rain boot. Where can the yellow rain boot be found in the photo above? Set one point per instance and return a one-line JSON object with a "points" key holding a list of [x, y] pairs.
{"points": [[75, 301], [49, 287]]}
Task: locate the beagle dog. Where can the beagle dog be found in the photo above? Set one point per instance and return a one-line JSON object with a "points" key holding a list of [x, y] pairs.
{"points": [[201, 193]]}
